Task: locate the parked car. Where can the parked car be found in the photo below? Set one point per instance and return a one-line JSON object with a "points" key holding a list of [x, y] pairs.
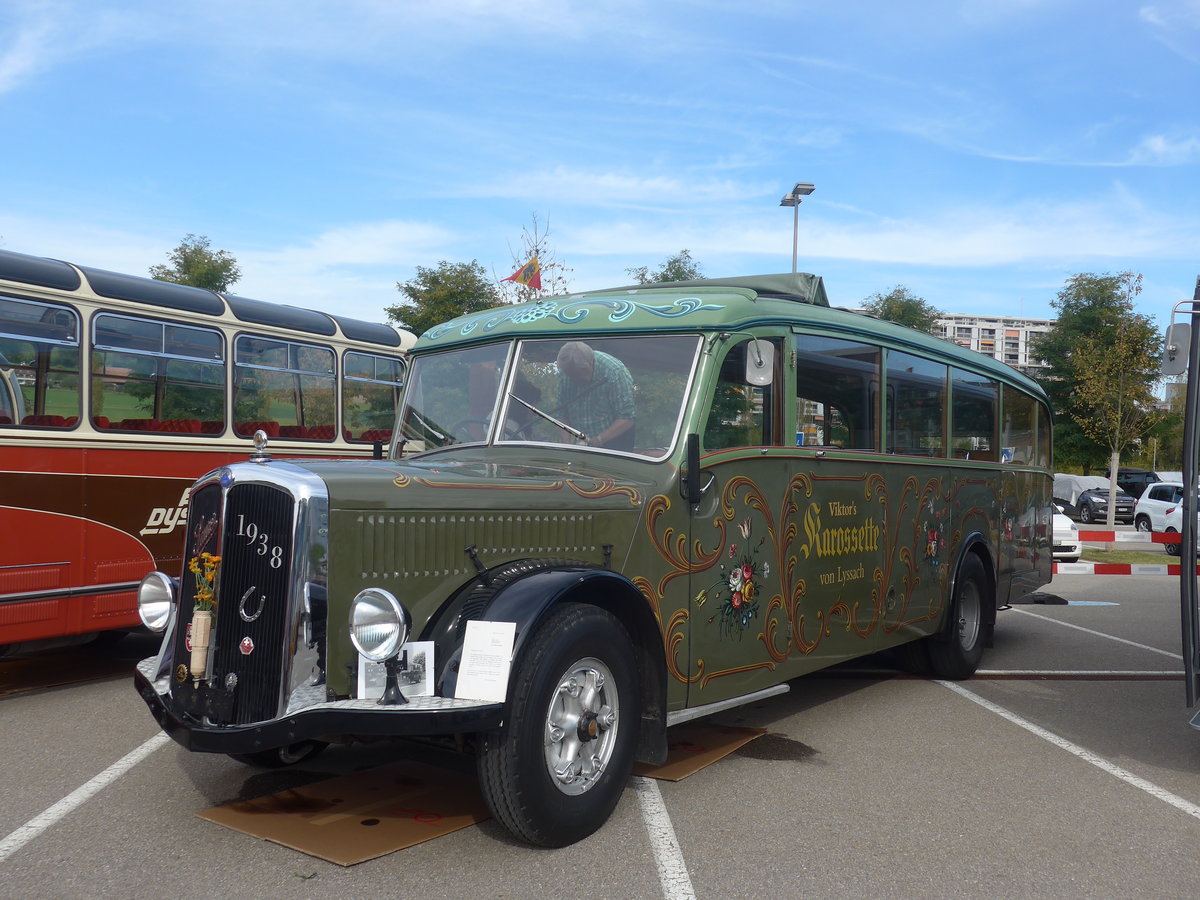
{"points": [[1160, 509], [1135, 481], [1086, 498], [1067, 545]]}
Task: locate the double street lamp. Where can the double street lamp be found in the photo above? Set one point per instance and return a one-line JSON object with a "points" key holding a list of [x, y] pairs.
{"points": [[792, 199]]}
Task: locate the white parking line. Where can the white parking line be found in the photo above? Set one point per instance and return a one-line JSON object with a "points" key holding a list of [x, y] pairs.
{"points": [[672, 870], [1086, 755], [1097, 633], [79, 796]]}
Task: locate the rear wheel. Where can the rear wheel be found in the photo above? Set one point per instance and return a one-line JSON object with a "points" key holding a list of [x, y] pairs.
{"points": [[956, 652], [553, 774], [1173, 549], [1142, 524]]}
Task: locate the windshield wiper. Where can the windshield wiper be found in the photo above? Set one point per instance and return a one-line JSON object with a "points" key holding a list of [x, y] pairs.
{"points": [[426, 424], [549, 418]]}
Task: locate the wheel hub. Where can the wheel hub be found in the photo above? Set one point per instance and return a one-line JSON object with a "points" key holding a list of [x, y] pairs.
{"points": [[581, 726]]}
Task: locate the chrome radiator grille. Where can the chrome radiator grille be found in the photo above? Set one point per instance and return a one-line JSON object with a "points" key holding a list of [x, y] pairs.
{"points": [[251, 634]]}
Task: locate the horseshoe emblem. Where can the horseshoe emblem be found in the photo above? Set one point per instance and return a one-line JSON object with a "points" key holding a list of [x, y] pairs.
{"points": [[262, 601]]}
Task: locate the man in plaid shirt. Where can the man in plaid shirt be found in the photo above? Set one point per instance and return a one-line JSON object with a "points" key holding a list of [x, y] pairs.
{"points": [[595, 393]]}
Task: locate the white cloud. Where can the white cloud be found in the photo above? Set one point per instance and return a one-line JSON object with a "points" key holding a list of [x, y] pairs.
{"points": [[1161, 150], [1176, 25], [974, 237], [599, 188]]}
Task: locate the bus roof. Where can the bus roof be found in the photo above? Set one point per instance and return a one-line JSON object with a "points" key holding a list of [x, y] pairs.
{"points": [[709, 304], [52, 273]]}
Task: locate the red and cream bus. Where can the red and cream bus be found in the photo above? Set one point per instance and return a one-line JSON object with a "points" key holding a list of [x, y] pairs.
{"points": [[95, 471]]}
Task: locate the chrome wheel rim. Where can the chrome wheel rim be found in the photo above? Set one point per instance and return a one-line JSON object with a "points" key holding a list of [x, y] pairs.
{"points": [[970, 614], [581, 726]]}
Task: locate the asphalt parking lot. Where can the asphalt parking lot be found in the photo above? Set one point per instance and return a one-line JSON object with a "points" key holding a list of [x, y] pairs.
{"points": [[1065, 768]]}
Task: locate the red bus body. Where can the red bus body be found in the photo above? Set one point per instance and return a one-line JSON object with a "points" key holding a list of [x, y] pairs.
{"points": [[96, 451]]}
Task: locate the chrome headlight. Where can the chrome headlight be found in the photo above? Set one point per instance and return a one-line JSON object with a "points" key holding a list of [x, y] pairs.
{"points": [[378, 624], [156, 596]]}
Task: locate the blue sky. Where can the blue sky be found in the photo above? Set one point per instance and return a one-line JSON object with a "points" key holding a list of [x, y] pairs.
{"points": [[978, 153]]}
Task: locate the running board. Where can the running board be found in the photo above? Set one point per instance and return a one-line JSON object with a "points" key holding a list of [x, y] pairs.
{"points": [[686, 715]]}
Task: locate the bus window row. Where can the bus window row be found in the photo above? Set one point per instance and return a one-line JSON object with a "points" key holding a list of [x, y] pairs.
{"points": [[152, 375], [853, 395]]}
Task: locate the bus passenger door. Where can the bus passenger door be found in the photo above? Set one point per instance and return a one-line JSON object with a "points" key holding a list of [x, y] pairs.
{"points": [[735, 527]]}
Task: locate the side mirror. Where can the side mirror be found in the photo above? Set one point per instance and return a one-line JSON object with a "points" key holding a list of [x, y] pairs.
{"points": [[1176, 348], [760, 362]]}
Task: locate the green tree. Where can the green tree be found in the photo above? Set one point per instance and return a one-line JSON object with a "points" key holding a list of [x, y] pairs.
{"points": [[555, 276], [192, 262], [1096, 318], [902, 306], [680, 267], [441, 293]]}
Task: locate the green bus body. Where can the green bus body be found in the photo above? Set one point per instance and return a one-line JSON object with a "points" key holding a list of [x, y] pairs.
{"points": [[834, 510]]}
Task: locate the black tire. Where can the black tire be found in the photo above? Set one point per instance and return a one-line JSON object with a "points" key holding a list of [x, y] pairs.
{"points": [[577, 647], [1085, 514], [956, 652], [279, 757], [1142, 524]]}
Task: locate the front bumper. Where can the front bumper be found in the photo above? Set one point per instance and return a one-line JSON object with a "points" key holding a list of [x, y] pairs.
{"points": [[323, 719]]}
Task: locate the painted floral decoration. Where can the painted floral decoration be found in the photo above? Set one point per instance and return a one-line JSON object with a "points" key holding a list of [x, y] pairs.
{"points": [[205, 568], [935, 542], [737, 590]]}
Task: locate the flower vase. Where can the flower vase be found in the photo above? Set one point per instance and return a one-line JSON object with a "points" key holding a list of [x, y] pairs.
{"points": [[201, 635]]}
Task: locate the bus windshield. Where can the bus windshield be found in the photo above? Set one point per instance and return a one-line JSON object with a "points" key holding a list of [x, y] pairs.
{"points": [[622, 394]]}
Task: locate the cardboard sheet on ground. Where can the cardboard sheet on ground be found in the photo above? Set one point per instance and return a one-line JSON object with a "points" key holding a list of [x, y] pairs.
{"points": [[694, 745], [353, 818]]}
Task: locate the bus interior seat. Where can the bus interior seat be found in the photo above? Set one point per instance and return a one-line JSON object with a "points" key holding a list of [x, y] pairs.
{"points": [[247, 429], [376, 434], [50, 421]]}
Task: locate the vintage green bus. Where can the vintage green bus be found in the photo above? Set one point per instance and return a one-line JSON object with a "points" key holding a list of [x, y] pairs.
{"points": [[602, 514]]}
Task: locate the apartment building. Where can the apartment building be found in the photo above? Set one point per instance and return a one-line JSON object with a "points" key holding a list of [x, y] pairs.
{"points": [[1009, 339]]}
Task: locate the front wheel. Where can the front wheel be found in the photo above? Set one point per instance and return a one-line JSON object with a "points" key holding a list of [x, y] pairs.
{"points": [[279, 757], [956, 652], [1085, 514], [553, 774]]}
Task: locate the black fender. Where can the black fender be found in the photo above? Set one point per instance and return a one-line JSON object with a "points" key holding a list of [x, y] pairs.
{"points": [[524, 592], [977, 543]]}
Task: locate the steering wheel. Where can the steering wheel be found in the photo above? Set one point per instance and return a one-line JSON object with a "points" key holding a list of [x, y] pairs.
{"points": [[458, 427]]}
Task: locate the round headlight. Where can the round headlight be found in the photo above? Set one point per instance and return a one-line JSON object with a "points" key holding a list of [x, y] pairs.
{"points": [[378, 624], [156, 597]]}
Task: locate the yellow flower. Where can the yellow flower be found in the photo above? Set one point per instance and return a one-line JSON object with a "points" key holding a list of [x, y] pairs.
{"points": [[205, 568]]}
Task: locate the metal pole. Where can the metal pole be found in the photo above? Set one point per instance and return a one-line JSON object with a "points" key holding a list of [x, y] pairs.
{"points": [[795, 233], [1187, 546]]}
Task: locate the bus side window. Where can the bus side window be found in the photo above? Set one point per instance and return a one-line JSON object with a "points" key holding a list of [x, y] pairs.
{"points": [[916, 408], [973, 401], [370, 392], [741, 412], [149, 375], [39, 364], [283, 388], [1018, 431], [837, 393]]}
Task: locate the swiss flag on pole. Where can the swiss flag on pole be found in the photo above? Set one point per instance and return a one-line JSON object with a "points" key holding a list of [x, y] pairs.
{"points": [[529, 274]]}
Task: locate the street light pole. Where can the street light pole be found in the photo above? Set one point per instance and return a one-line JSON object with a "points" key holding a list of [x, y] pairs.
{"points": [[792, 199]]}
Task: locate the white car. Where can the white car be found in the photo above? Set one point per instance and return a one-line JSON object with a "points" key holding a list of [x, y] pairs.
{"points": [[1160, 509], [1067, 546]]}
